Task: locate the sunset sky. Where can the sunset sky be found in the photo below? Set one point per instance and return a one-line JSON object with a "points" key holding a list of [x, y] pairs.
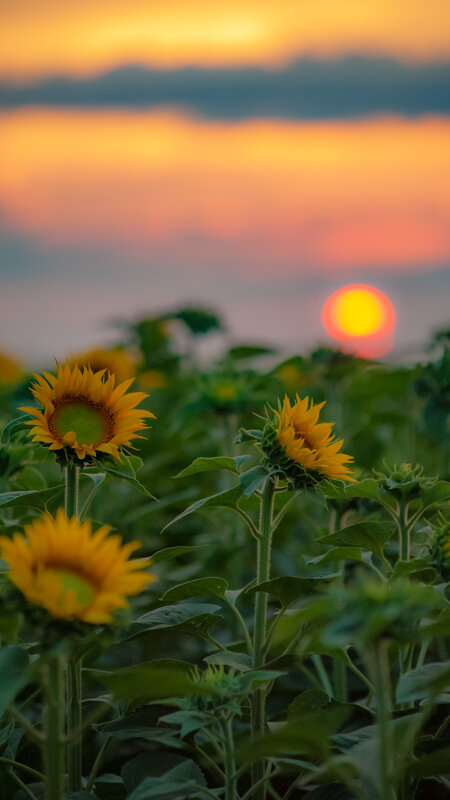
{"points": [[251, 156]]}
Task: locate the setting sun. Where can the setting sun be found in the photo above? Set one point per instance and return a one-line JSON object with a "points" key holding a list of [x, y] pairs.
{"points": [[362, 316]]}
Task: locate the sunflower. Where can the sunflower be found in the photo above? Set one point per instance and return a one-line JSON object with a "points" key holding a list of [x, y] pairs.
{"points": [[117, 361], [62, 566], [304, 448], [10, 370], [82, 411]]}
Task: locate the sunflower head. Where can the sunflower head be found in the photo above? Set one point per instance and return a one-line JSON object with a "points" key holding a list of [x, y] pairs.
{"points": [[60, 565], [84, 414], [117, 361], [10, 371], [301, 449]]}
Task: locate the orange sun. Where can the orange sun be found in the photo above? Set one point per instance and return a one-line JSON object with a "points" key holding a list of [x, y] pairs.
{"points": [[362, 318]]}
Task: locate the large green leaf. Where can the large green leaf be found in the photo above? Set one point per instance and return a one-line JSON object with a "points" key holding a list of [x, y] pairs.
{"points": [[339, 554], [151, 680], [194, 618], [306, 734], [227, 499], [288, 588], [203, 464], [253, 479], [126, 469], [239, 661], [369, 535], [418, 568], [245, 435], [30, 498], [173, 552], [199, 587], [14, 673], [16, 425], [187, 721], [140, 724], [426, 681], [184, 781], [168, 616], [434, 763], [436, 494], [307, 701]]}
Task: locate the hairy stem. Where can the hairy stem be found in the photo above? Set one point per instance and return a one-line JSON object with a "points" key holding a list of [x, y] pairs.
{"points": [[54, 728], [73, 672], [259, 634], [404, 533]]}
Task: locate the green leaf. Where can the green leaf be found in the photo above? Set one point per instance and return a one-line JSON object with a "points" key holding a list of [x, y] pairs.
{"points": [[173, 552], [152, 680], [436, 763], [141, 766], [339, 554], [31, 498], [188, 721], [249, 680], [305, 734], [239, 661], [97, 478], [369, 535], [180, 783], [209, 464], [168, 616], [140, 724], [9, 625], [227, 499], [199, 587], [426, 681], [15, 425], [14, 671], [126, 469], [248, 436], [418, 568], [253, 479], [331, 791], [307, 701], [32, 478], [288, 588], [367, 488], [193, 618], [436, 494], [317, 494]]}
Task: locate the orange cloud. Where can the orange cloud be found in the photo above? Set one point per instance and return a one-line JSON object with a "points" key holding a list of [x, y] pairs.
{"points": [[339, 194], [83, 38]]}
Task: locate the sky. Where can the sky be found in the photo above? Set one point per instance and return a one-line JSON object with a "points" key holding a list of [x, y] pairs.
{"points": [[249, 156]]}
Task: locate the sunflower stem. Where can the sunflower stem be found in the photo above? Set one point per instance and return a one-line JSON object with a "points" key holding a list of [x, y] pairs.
{"points": [[404, 533], [259, 634], [378, 661], [73, 673], [54, 728], [71, 493]]}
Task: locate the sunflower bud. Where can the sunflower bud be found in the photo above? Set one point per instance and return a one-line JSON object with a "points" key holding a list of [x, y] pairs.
{"points": [[405, 482]]}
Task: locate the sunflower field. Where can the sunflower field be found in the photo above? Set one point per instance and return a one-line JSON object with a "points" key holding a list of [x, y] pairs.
{"points": [[224, 578]]}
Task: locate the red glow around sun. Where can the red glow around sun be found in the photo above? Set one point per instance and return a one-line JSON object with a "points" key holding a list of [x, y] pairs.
{"points": [[362, 318]]}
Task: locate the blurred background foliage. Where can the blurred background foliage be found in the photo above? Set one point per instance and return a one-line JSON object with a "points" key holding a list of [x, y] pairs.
{"points": [[387, 414]]}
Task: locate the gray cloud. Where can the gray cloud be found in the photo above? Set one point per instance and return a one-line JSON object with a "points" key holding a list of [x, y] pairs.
{"points": [[308, 89]]}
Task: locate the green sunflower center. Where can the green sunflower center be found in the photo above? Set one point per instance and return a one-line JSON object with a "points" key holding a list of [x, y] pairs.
{"points": [[88, 421], [71, 582]]}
